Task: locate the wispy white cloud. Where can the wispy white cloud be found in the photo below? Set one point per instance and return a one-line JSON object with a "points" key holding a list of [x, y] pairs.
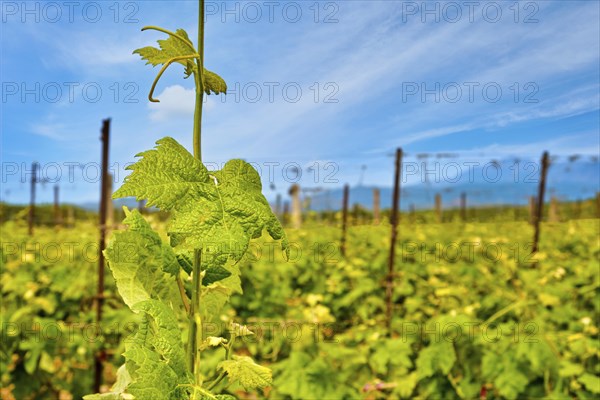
{"points": [[368, 60], [561, 146], [175, 102], [436, 132], [566, 109], [569, 108], [51, 130]]}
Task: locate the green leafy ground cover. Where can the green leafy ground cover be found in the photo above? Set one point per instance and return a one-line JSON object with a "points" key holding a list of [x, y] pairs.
{"points": [[487, 320]]}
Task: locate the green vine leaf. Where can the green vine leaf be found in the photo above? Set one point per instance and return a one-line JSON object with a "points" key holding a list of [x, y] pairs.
{"points": [[214, 274], [506, 374], [155, 359], [167, 177], [214, 83], [213, 298], [143, 266], [185, 263], [169, 48], [247, 372], [237, 330], [117, 391], [591, 382], [212, 341], [406, 385], [391, 352], [229, 212], [437, 357], [217, 212], [218, 397], [211, 274], [207, 395]]}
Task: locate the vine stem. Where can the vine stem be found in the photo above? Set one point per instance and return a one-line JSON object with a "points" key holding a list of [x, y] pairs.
{"points": [[223, 373], [195, 333], [195, 318], [199, 80]]}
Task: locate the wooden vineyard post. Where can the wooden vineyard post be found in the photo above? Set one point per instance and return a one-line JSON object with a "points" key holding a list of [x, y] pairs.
{"points": [[344, 219], [57, 214], [141, 206], [296, 208], [376, 206], [532, 210], [389, 290], [597, 204], [463, 206], [540, 203], [31, 219], [101, 355], [438, 208]]}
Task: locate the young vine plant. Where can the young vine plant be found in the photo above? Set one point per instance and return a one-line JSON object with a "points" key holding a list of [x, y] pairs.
{"points": [[215, 214]]}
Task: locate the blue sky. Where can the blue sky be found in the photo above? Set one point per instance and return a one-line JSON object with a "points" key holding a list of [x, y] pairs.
{"points": [[497, 80]]}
